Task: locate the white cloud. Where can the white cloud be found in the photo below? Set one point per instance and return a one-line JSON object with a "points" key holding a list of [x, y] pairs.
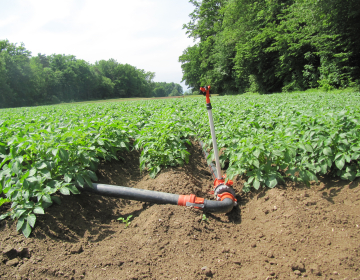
{"points": [[8, 21], [144, 33]]}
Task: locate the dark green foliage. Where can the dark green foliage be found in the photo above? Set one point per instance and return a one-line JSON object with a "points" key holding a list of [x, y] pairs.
{"points": [[198, 63], [167, 89], [41, 79], [122, 80], [273, 45]]}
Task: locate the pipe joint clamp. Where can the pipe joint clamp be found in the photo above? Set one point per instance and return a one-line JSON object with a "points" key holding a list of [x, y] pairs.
{"points": [[223, 191]]}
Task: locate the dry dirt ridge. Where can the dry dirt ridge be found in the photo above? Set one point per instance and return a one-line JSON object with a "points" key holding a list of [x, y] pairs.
{"points": [[289, 232]]}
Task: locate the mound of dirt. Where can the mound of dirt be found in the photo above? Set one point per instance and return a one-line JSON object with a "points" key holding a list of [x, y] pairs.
{"points": [[283, 233]]}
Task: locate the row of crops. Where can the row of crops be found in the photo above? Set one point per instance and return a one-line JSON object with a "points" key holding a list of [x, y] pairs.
{"points": [[269, 139]]}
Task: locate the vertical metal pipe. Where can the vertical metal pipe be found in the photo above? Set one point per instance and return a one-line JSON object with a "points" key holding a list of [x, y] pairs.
{"points": [[213, 136]]}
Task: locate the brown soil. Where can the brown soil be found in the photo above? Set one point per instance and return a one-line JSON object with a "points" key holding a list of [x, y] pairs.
{"points": [[283, 233]]}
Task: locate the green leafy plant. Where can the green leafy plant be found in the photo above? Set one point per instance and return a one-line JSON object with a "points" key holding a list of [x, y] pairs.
{"points": [[125, 221], [204, 218], [46, 151]]}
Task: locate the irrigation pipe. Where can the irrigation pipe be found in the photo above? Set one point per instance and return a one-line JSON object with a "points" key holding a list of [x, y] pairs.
{"points": [[223, 206], [223, 193]]}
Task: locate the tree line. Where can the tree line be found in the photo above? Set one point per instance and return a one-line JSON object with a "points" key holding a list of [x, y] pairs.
{"points": [[273, 45], [27, 80]]}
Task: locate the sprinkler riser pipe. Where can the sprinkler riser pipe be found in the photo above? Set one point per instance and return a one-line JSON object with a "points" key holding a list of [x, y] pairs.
{"points": [[212, 167], [215, 148]]}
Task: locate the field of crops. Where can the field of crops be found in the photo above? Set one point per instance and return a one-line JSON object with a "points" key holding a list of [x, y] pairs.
{"points": [[269, 139]]}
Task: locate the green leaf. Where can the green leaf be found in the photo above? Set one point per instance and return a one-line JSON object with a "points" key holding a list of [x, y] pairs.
{"points": [[16, 168], [47, 198], [45, 204], [327, 151], [304, 177], [19, 212], [338, 155], [4, 200], [64, 155], [84, 159], [13, 152], [4, 216], [69, 139], [79, 180], [287, 156], [340, 162], [32, 172], [31, 220], [309, 148], [271, 182], [347, 158], [355, 155], [29, 205], [348, 176], [251, 179], [154, 171], [323, 168], [92, 175], [26, 186], [67, 178], [20, 223], [311, 175], [39, 210], [256, 153], [65, 191], [256, 184], [87, 180], [26, 229], [302, 146], [46, 173], [74, 189], [56, 199], [41, 165]]}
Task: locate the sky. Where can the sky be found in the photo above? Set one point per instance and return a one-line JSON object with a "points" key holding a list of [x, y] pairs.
{"points": [[147, 34]]}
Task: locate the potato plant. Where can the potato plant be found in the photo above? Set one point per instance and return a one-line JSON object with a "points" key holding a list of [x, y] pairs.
{"points": [[269, 139]]}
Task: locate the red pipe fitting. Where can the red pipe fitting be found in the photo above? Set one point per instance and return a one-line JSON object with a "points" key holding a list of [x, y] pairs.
{"points": [[222, 196], [190, 200], [218, 182], [224, 190]]}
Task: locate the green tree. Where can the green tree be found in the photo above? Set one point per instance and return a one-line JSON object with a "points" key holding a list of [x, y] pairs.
{"points": [[16, 62], [273, 45], [159, 92], [6, 93], [198, 61]]}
